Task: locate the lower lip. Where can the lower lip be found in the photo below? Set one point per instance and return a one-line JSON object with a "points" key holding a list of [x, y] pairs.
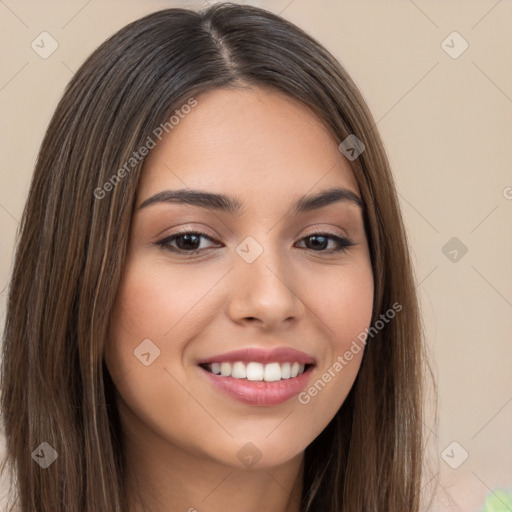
{"points": [[260, 392]]}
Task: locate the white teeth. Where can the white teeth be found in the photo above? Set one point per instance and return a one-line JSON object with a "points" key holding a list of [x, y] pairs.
{"points": [[225, 369], [253, 371], [239, 371], [272, 372]]}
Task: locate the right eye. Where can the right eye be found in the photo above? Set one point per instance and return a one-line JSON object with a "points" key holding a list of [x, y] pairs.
{"points": [[186, 242]]}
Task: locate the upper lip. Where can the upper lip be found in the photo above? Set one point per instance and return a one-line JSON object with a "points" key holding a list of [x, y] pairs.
{"points": [[260, 355]]}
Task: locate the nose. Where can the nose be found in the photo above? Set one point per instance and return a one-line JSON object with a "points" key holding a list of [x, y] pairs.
{"points": [[265, 292]]}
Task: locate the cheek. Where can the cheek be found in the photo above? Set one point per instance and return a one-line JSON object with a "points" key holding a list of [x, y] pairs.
{"points": [[140, 319], [343, 301], [150, 302], [150, 323], [156, 304], [344, 307]]}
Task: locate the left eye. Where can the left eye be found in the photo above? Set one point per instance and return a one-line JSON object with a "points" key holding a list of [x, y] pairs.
{"points": [[322, 240], [189, 242]]}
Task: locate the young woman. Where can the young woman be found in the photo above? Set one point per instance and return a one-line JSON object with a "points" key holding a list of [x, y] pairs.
{"points": [[212, 305]]}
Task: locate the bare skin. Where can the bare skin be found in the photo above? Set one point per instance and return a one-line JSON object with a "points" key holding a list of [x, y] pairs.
{"points": [[186, 441]]}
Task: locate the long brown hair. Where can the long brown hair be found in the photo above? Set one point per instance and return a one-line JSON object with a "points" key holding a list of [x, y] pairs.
{"points": [[71, 252]]}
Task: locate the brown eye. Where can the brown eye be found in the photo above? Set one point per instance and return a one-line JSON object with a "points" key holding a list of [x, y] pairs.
{"points": [[320, 241], [186, 242]]}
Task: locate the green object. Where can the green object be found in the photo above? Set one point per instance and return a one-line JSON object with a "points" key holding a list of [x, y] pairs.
{"points": [[498, 501]]}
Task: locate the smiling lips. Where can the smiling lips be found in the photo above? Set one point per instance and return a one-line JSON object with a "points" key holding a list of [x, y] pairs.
{"points": [[260, 377]]}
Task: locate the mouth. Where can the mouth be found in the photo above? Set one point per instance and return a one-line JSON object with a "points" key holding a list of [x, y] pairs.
{"points": [[259, 377]]}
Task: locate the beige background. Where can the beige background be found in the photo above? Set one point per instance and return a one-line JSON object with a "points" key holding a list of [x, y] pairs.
{"points": [[447, 125]]}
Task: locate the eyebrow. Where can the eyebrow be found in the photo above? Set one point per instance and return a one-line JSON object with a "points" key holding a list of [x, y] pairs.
{"points": [[231, 205]]}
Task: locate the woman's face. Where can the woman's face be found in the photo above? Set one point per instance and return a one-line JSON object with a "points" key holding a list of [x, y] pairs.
{"points": [[261, 294]]}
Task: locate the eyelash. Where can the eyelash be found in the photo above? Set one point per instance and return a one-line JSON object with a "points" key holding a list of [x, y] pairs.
{"points": [[343, 242]]}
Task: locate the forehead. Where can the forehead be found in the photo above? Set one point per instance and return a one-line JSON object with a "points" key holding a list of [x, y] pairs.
{"points": [[251, 142]]}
